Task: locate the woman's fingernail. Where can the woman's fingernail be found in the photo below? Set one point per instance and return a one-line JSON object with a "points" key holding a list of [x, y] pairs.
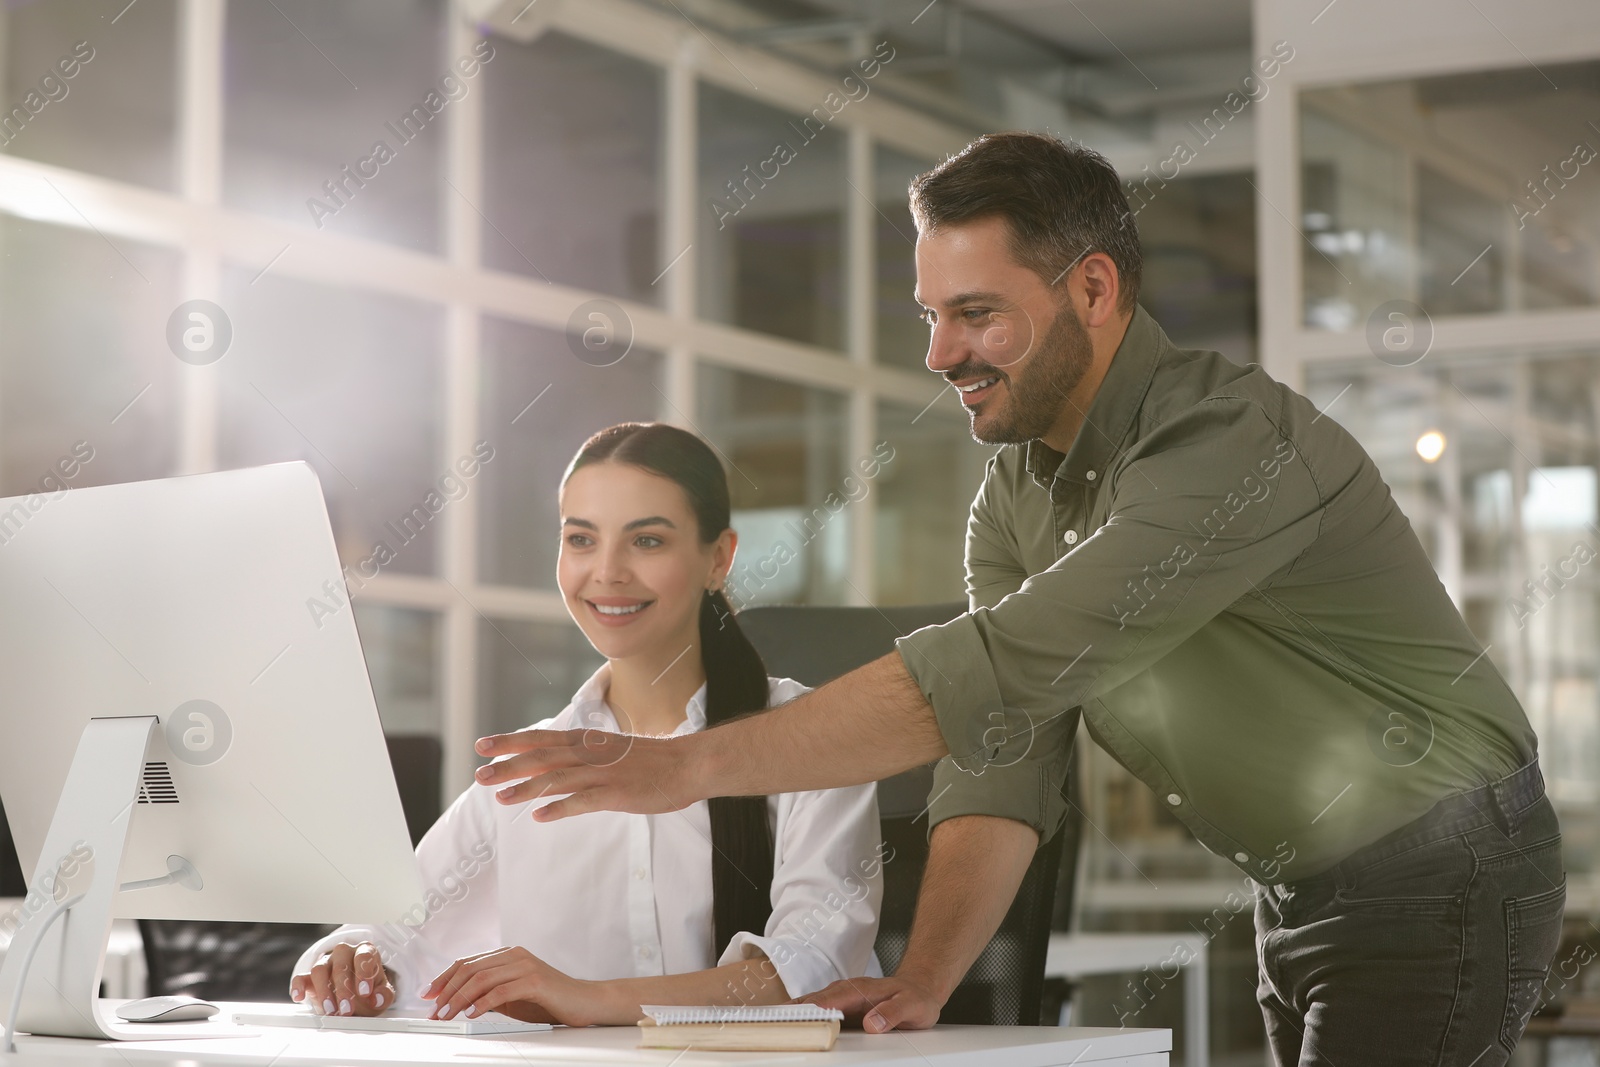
{"points": [[344, 1007], [296, 994], [472, 1009], [378, 1000], [365, 987], [444, 1013], [327, 1007], [484, 772]]}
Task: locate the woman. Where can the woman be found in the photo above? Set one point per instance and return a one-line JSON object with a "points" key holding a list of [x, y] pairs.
{"points": [[735, 900]]}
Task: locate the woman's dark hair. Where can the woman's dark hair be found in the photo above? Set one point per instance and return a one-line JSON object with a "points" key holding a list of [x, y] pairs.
{"points": [[736, 678], [1061, 201]]}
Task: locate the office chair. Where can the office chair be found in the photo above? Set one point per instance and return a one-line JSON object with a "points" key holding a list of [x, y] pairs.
{"points": [[252, 961], [1006, 984], [418, 761], [12, 881]]}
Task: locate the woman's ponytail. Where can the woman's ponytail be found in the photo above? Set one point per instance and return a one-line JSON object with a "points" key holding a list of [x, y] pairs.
{"points": [[741, 839]]}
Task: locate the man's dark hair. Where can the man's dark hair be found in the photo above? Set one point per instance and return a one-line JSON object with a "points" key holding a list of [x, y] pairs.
{"points": [[1062, 202]]}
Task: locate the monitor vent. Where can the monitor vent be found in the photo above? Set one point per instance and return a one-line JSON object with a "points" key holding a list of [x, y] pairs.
{"points": [[155, 786]]}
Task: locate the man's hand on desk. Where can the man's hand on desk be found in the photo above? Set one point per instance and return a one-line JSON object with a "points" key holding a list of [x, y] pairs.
{"points": [[975, 864], [599, 771], [881, 1004]]}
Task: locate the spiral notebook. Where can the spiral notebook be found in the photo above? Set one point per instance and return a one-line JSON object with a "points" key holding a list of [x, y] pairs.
{"points": [[764, 1028]]}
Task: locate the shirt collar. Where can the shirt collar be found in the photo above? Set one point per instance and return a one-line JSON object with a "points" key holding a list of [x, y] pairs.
{"points": [[592, 695], [1112, 413], [696, 710]]}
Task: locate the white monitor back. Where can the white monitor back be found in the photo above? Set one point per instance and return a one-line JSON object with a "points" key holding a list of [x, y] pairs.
{"points": [[141, 598]]}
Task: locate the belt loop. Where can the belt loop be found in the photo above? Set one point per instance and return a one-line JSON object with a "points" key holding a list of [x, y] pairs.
{"points": [[1530, 780], [1501, 799], [1515, 794], [1343, 877]]}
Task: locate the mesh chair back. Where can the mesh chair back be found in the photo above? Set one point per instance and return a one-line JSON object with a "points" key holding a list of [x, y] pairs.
{"points": [[224, 960], [1005, 985]]}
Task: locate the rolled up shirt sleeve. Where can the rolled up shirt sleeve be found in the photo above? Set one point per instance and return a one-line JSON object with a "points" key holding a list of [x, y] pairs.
{"points": [[827, 886], [1207, 509]]}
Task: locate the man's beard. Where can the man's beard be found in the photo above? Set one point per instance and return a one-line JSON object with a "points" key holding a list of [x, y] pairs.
{"points": [[1036, 394]]}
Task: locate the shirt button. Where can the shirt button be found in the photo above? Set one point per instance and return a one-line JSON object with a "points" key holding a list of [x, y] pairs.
{"points": [[645, 953], [1174, 799], [1089, 475], [1241, 857], [1070, 537], [639, 873]]}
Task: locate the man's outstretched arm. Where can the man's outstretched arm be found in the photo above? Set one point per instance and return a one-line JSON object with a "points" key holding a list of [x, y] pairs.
{"points": [[862, 726], [975, 865]]}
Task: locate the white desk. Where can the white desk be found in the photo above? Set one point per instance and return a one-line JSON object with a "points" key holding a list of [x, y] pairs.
{"points": [[1080, 955], [943, 1046]]}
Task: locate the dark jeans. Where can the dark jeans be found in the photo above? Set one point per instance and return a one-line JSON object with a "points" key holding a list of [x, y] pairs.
{"points": [[1429, 946]]}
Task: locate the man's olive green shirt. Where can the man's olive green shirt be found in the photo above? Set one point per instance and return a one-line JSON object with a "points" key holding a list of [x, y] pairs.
{"points": [[1218, 578]]}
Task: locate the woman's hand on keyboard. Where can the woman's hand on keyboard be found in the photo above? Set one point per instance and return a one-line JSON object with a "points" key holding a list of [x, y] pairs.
{"points": [[515, 982], [346, 980]]}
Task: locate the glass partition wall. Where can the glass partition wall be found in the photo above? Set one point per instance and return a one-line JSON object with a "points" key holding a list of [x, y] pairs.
{"points": [[1468, 193]]}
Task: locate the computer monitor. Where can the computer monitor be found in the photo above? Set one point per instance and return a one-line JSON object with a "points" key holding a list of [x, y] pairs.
{"points": [[168, 646]]}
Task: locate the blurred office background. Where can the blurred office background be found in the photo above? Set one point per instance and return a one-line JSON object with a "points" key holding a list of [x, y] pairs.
{"points": [[1302, 172]]}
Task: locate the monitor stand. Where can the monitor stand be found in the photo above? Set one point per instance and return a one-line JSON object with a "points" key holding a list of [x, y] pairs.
{"points": [[50, 980]]}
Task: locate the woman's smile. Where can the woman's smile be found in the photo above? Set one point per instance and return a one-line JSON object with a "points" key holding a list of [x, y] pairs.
{"points": [[616, 610]]}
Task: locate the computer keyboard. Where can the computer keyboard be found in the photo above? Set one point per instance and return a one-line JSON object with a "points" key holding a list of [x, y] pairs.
{"points": [[488, 1023]]}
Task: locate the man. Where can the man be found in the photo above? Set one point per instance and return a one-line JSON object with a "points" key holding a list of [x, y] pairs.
{"points": [[1214, 575]]}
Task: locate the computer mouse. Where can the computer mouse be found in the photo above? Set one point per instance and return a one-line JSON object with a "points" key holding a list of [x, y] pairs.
{"points": [[166, 1010]]}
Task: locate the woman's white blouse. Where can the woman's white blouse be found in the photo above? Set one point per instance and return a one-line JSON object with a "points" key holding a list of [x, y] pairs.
{"points": [[615, 895]]}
